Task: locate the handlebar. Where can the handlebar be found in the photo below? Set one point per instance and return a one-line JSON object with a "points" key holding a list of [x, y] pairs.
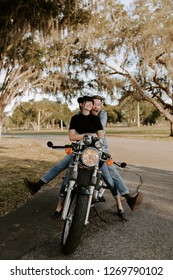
{"points": [[50, 145], [121, 165]]}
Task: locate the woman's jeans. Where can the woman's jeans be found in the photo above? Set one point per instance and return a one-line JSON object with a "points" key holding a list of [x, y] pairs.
{"points": [[110, 176], [57, 168]]}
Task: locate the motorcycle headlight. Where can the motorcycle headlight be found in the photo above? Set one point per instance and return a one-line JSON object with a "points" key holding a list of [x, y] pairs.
{"points": [[90, 157]]}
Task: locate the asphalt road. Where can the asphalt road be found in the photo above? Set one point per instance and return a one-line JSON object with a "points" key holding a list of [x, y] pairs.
{"points": [[33, 234]]}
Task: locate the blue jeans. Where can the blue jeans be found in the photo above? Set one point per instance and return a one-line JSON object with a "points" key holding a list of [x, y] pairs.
{"points": [[57, 168], [110, 176], [118, 181], [108, 179], [113, 179], [106, 176]]}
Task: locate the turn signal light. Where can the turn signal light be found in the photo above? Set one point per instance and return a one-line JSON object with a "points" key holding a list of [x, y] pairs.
{"points": [[68, 151], [109, 162]]}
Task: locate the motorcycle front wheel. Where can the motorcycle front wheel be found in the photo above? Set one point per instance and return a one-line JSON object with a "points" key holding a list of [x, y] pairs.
{"points": [[74, 223]]}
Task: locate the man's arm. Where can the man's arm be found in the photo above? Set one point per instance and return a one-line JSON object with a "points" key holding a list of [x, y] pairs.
{"points": [[100, 133], [103, 118]]}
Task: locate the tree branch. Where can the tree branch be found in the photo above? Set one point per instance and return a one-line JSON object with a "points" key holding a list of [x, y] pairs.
{"points": [[162, 86]]}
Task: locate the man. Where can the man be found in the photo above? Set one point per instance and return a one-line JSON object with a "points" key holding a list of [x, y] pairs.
{"points": [[135, 201]]}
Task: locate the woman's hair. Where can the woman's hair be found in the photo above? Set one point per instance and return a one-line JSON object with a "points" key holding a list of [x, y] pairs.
{"points": [[83, 99]]}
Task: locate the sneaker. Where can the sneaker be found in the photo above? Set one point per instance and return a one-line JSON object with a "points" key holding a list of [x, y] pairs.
{"points": [[102, 199], [55, 214], [32, 187], [135, 201], [121, 214]]}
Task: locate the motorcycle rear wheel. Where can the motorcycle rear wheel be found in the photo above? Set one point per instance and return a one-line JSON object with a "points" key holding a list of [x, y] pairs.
{"points": [[74, 224]]}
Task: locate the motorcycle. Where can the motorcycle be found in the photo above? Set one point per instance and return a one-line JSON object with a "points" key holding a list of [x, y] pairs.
{"points": [[85, 186]]}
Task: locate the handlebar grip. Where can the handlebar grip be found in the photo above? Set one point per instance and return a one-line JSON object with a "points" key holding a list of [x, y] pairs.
{"points": [[121, 165], [50, 145]]}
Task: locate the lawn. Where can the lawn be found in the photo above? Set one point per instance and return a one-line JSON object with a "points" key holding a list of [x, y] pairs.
{"points": [[146, 132], [22, 158]]}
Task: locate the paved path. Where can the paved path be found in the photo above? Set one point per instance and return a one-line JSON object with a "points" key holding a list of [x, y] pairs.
{"points": [[148, 153]]}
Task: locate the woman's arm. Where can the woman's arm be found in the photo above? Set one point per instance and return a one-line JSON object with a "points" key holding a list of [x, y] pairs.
{"points": [[74, 136]]}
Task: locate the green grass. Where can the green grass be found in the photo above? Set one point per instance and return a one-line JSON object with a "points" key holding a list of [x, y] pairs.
{"points": [[152, 132], [41, 132], [145, 132], [149, 132], [21, 159]]}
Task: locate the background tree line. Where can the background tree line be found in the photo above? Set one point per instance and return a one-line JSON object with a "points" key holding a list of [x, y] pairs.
{"points": [[87, 46], [36, 115], [46, 114]]}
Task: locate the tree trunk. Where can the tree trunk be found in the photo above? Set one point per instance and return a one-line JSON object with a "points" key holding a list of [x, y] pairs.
{"points": [[38, 122], [1, 121], [138, 113], [171, 128], [0, 128]]}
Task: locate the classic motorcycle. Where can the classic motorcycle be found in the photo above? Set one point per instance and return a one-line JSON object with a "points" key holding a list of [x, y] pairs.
{"points": [[84, 186]]}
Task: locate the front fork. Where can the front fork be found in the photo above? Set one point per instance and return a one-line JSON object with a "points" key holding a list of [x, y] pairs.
{"points": [[69, 190], [71, 187], [67, 200], [91, 191], [89, 204]]}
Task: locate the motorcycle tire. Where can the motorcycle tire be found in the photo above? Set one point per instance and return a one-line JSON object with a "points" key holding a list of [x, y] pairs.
{"points": [[74, 224]]}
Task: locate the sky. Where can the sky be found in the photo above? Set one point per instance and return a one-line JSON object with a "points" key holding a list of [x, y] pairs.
{"points": [[126, 2]]}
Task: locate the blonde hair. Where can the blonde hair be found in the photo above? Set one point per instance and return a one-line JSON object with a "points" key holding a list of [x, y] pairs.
{"points": [[97, 97]]}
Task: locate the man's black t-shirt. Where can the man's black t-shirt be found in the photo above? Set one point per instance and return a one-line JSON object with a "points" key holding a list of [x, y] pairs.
{"points": [[85, 124]]}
